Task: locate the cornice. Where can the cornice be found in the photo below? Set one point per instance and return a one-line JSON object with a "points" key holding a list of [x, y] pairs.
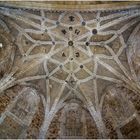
{"points": [[70, 5]]}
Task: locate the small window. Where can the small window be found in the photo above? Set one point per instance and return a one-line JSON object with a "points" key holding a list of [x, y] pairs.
{"points": [[1, 45]]}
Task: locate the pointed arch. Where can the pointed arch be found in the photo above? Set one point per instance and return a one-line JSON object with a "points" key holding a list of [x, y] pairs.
{"points": [[73, 121], [133, 51], [19, 114]]}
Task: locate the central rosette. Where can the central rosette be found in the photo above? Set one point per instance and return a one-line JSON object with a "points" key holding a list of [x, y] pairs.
{"points": [[70, 43], [73, 58]]}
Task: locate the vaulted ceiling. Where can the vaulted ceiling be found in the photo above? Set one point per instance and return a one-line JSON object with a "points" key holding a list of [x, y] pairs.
{"points": [[60, 61]]}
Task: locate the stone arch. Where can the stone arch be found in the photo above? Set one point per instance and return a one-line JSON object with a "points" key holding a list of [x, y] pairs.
{"points": [[19, 114], [73, 121], [108, 120], [133, 52], [26, 102], [118, 112], [118, 105], [34, 127]]}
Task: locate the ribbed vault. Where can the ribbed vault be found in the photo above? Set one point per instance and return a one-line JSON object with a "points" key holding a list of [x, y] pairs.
{"points": [[69, 73]]}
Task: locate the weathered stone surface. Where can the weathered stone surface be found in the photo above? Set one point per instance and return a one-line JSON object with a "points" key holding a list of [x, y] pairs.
{"points": [[69, 72]]}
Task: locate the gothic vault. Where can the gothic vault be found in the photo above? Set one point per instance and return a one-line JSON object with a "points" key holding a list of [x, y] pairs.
{"points": [[69, 70]]}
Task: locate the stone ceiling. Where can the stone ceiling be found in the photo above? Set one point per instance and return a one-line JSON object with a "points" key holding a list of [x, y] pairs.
{"points": [[59, 59]]}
